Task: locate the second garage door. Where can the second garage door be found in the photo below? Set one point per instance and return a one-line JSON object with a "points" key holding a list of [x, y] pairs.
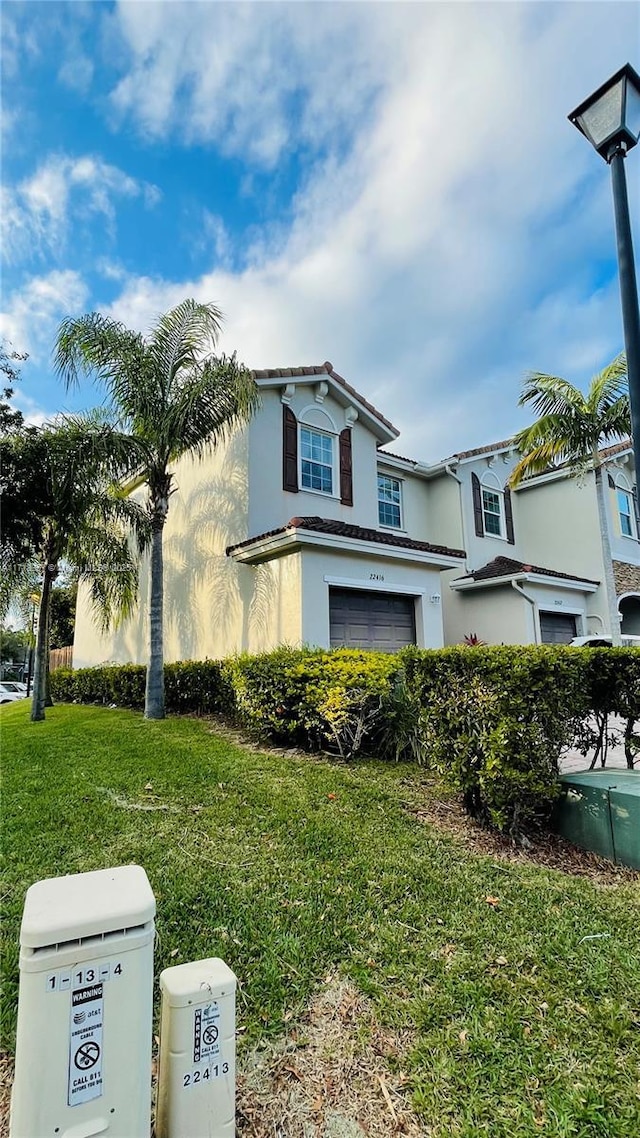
{"points": [[557, 628], [384, 621]]}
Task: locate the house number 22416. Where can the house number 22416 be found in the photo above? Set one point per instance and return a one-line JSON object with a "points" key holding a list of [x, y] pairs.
{"points": [[376, 576]]}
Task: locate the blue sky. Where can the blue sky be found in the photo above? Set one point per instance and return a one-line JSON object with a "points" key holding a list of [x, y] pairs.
{"points": [[393, 187]]}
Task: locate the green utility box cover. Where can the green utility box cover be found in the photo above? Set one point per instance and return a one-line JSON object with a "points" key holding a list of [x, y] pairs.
{"points": [[600, 811]]}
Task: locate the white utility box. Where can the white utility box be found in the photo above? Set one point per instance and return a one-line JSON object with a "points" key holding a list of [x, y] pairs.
{"points": [[197, 1070], [83, 1047]]}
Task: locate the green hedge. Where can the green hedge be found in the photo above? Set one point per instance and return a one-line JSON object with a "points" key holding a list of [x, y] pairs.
{"points": [[493, 720], [201, 687]]}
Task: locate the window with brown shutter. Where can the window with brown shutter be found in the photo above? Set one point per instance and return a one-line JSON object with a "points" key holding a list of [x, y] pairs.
{"points": [[477, 505], [289, 451], [508, 516], [346, 468]]}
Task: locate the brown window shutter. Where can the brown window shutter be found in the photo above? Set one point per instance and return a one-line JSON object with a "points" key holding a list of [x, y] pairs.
{"points": [[289, 450], [636, 508], [477, 505], [346, 468], [508, 515]]}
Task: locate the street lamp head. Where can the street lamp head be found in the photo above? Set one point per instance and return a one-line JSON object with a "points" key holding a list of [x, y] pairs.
{"points": [[610, 118]]}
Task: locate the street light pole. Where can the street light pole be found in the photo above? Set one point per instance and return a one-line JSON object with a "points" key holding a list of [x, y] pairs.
{"points": [[610, 120], [628, 292]]}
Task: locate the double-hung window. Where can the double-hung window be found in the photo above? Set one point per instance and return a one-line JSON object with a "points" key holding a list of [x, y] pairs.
{"points": [[389, 501], [492, 511], [316, 460], [625, 512]]}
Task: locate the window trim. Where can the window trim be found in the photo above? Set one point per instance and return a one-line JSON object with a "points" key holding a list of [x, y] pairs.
{"points": [[311, 427], [633, 536], [391, 478], [499, 494]]}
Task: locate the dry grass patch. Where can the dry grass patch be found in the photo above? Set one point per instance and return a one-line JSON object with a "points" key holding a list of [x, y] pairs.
{"points": [[337, 1074]]}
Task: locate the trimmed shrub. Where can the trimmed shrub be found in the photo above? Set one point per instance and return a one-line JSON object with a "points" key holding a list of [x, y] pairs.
{"points": [[494, 722], [200, 687], [314, 698]]}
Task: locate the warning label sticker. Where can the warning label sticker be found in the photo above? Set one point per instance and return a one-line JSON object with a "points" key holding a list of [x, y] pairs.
{"points": [[206, 1032], [85, 1045]]}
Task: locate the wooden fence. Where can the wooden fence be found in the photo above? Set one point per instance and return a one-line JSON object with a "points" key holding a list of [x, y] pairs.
{"points": [[61, 658]]}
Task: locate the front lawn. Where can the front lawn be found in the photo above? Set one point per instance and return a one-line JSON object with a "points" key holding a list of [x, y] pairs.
{"points": [[517, 988]]}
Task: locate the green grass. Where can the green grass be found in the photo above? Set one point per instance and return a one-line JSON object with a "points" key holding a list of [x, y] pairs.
{"points": [[521, 1026]]}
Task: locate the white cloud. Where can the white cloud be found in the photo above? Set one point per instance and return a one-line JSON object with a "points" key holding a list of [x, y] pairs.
{"points": [[36, 213], [458, 227], [34, 414], [76, 72], [33, 311]]}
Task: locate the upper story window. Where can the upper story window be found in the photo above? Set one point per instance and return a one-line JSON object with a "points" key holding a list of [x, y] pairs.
{"points": [[316, 460], [492, 512], [316, 454], [492, 508], [389, 501], [625, 512]]}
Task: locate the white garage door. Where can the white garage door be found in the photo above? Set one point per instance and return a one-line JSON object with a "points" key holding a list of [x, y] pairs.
{"points": [[384, 621]]}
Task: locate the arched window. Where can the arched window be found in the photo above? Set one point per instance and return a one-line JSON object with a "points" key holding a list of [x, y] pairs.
{"points": [[492, 499], [317, 450], [492, 510], [625, 505]]}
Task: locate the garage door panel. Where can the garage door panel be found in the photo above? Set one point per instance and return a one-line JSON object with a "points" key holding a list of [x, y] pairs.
{"points": [[382, 621], [557, 627]]}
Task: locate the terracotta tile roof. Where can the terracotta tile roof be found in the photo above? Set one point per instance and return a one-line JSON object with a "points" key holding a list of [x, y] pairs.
{"points": [[606, 452], [344, 529], [508, 567], [323, 369], [484, 450], [389, 454], [617, 448]]}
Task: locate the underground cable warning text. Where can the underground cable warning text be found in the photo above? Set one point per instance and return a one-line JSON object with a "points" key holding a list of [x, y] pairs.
{"points": [[85, 1045]]}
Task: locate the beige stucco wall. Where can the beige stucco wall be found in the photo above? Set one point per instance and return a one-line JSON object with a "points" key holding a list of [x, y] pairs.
{"points": [[496, 615], [444, 513], [213, 607]]}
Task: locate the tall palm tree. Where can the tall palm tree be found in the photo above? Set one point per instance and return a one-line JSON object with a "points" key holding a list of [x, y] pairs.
{"points": [[570, 430], [173, 395], [75, 514]]}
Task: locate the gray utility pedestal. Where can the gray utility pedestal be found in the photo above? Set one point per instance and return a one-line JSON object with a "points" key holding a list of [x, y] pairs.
{"points": [[600, 811]]}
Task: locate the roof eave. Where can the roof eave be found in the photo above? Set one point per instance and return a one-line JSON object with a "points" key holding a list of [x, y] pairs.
{"points": [[577, 584], [292, 539]]}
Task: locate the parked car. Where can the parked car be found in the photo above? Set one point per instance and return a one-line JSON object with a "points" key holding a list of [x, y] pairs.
{"points": [[11, 690], [595, 641]]}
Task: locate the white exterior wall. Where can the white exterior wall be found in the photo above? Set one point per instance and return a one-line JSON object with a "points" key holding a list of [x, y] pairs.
{"points": [[322, 569], [444, 511], [623, 548]]}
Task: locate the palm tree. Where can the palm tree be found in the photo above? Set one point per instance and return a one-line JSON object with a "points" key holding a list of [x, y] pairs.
{"points": [[569, 432], [73, 514], [173, 395]]}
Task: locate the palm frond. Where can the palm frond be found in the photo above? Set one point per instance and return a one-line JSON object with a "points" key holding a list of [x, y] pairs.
{"points": [[221, 396], [181, 337], [551, 395]]}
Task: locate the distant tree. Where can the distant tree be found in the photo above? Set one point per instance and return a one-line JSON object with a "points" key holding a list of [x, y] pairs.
{"points": [[571, 429], [14, 644], [78, 516], [63, 615], [10, 418], [173, 395]]}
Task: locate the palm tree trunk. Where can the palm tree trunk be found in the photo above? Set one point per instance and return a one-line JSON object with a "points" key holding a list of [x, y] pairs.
{"points": [[609, 582], [40, 667], [154, 692]]}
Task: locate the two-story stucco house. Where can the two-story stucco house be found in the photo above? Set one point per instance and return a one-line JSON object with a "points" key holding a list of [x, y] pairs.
{"points": [[535, 559], [298, 530], [301, 529]]}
